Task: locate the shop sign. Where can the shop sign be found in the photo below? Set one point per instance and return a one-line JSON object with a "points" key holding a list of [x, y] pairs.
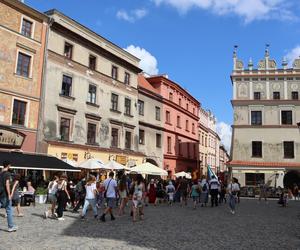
{"points": [[11, 138], [121, 159]]}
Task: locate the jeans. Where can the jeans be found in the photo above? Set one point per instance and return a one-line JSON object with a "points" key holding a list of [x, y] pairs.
{"points": [[9, 211], [88, 202], [232, 202], [61, 203]]}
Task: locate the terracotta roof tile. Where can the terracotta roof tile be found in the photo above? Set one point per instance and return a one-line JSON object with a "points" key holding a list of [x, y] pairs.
{"points": [[143, 83], [263, 164]]}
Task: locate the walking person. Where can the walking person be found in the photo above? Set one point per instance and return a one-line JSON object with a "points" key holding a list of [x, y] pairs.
{"points": [[90, 197], [195, 191], [6, 196], [183, 189], [123, 193], [52, 189], [138, 198], [204, 191], [151, 192], [263, 191], [62, 196], [214, 186], [16, 195], [170, 190], [110, 194], [233, 189], [79, 195]]}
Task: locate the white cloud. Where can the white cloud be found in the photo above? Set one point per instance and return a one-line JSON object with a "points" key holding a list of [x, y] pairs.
{"points": [[132, 15], [293, 54], [148, 62], [225, 132], [248, 10]]}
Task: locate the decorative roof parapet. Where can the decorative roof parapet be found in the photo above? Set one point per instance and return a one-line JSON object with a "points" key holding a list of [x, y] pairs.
{"points": [[237, 64]]}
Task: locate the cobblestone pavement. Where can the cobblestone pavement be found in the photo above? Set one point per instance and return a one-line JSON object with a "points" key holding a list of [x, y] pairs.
{"points": [[254, 226]]}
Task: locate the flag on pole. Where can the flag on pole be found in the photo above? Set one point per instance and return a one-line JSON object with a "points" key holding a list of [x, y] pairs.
{"points": [[211, 173]]}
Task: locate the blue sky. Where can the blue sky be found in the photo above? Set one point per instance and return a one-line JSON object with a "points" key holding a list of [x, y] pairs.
{"points": [[192, 40]]}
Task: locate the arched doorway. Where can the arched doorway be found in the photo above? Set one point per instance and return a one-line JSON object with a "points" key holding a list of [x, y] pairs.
{"points": [[152, 161], [290, 178]]}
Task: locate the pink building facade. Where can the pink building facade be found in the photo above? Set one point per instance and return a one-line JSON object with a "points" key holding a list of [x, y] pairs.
{"points": [[180, 119]]}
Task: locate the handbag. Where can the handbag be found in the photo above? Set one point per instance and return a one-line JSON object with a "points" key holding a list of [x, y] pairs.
{"points": [[105, 193]]}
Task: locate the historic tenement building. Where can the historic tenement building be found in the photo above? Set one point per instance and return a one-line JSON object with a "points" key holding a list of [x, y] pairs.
{"points": [[265, 142], [209, 142], [91, 96], [180, 120], [150, 108], [22, 47], [223, 158]]}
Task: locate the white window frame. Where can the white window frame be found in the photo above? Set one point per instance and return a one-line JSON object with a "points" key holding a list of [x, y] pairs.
{"points": [[26, 113], [32, 28]]}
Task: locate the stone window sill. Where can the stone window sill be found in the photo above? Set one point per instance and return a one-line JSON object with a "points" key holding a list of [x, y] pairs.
{"points": [[93, 104], [67, 97], [115, 111]]}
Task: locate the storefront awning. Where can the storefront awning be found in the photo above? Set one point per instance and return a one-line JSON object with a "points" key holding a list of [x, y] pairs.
{"points": [[20, 160]]}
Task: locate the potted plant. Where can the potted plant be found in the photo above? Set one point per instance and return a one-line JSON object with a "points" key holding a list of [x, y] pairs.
{"points": [[41, 195]]}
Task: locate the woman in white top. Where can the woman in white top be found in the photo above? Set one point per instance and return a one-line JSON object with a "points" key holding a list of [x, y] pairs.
{"points": [[62, 196], [52, 189], [90, 197], [232, 190]]}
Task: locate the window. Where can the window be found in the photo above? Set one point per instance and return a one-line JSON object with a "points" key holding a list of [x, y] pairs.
{"points": [[254, 179], [193, 128], [193, 111], [91, 133], [157, 113], [158, 140], [141, 136], [127, 106], [19, 112], [92, 62], [127, 78], [187, 125], [179, 147], [26, 28], [66, 88], [179, 102], [68, 51], [256, 118], [256, 95], [286, 117], [256, 149], [276, 95], [128, 140], [114, 72], [92, 94], [168, 117], [187, 106], [288, 148], [169, 144], [178, 121], [141, 107], [23, 67], [65, 129], [295, 95], [194, 149], [114, 137], [114, 102], [171, 97]]}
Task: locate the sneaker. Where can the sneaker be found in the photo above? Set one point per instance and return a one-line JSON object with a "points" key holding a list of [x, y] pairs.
{"points": [[46, 214], [102, 218], [233, 212], [12, 229], [55, 215], [61, 218]]}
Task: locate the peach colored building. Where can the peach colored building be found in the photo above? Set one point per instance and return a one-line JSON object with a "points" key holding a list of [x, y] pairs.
{"points": [[180, 120], [23, 33]]}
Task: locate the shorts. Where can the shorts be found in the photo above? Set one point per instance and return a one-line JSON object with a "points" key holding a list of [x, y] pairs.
{"points": [[137, 203], [195, 198], [111, 202], [123, 194], [52, 198]]}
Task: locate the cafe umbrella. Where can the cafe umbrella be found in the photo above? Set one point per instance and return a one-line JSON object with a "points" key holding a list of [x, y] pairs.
{"points": [[148, 169]]}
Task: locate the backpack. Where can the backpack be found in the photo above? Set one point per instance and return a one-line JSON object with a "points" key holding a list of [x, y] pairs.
{"points": [[204, 188]]}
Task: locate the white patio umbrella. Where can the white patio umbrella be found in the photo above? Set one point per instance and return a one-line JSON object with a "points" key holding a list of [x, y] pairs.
{"points": [[70, 162], [183, 174], [148, 168], [113, 165], [91, 164]]}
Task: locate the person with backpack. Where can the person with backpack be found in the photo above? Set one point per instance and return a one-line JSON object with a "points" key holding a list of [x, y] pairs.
{"points": [[62, 195], [195, 191], [52, 189], [204, 191], [6, 195], [170, 189], [214, 186], [79, 195]]}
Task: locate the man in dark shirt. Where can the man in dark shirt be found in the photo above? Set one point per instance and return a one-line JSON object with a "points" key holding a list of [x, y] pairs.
{"points": [[6, 195]]}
